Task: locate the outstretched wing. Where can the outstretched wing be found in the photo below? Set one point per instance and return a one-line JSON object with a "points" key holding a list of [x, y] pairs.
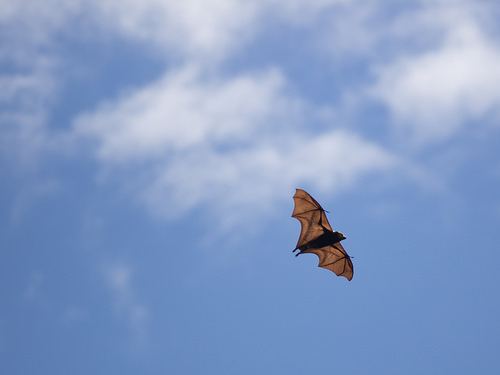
{"points": [[334, 258], [311, 215]]}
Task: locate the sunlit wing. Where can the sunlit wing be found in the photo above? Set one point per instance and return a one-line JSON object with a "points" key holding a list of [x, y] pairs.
{"points": [[311, 215], [334, 258]]}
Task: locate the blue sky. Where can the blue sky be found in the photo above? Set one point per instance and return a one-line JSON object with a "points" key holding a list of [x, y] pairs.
{"points": [[149, 151]]}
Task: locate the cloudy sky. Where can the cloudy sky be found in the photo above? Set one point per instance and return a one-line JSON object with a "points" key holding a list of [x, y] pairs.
{"points": [[149, 151]]}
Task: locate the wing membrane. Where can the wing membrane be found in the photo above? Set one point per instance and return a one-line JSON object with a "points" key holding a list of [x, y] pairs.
{"points": [[311, 215], [334, 258]]}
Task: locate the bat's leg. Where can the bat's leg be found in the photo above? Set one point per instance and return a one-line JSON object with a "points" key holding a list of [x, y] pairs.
{"points": [[294, 250], [300, 252]]}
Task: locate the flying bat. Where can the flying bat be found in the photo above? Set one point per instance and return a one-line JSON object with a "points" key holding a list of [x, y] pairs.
{"points": [[317, 236]]}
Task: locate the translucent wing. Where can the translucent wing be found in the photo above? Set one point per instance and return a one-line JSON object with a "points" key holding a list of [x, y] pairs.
{"points": [[311, 215], [334, 258]]}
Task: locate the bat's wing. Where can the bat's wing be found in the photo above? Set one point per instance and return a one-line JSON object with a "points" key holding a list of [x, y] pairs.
{"points": [[311, 215], [334, 258]]}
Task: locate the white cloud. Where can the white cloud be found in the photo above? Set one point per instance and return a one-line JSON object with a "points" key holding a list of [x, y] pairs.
{"points": [[203, 29], [304, 11], [30, 39], [181, 111], [197, 133], [258, 176], [28, 75], [237, 132], [192, 30], [195, 28], [432, 94], [236, 142], [32, 23]]}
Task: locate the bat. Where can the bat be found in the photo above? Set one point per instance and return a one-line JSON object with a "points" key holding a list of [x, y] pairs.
{"points": [[317, 236]]}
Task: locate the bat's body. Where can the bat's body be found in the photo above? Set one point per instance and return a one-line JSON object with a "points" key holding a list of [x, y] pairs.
{"points": [[327, 238], [318, 237]]}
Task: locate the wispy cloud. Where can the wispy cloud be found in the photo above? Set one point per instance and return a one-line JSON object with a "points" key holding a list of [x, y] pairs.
{"points": [[118, 277], [198, 29], [74, 314], [200, 132], [259, 176], [196, 132], [183, 110], [241, 141], [29, 194], [203, 30], [433, 92], [208, 30], [25, 101], [33, 291], [28, 75]]}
